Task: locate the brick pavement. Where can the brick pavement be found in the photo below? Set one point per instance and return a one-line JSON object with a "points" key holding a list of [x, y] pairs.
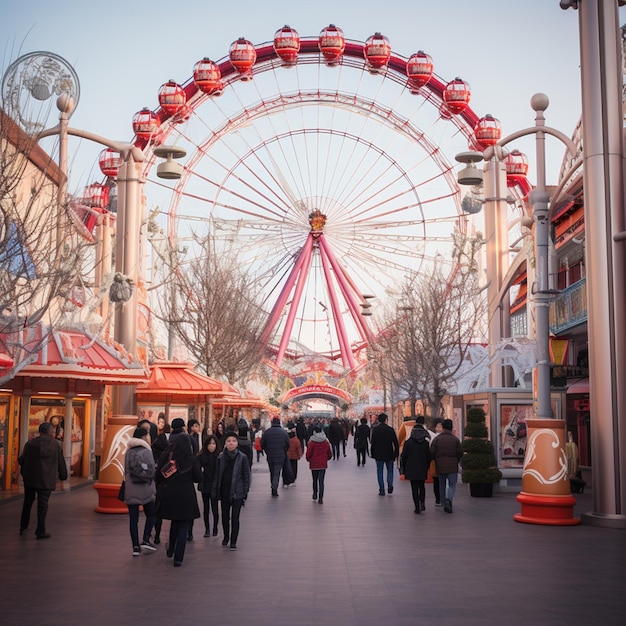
{"points": [[358, 559]]}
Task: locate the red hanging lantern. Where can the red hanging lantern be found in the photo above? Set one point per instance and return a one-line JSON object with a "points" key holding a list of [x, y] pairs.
{"points": [[377, 51], [145, 124], [242, 57], [287, 45], [109, 162], [172, 97], [488, 131], [208, 77], [419, 69], [457, 95], [332, 43]]}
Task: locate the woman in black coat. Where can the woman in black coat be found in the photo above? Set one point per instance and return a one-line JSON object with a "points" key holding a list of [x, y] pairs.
{"points": [[179, 502], [414, 461], [231, 486], [208, 461]]}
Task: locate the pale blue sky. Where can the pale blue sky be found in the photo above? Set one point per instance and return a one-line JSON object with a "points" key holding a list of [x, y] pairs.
{"points": [[123, 51]]}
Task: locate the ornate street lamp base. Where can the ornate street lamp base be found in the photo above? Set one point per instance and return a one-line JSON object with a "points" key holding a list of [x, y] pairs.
{"points": [[546, 510]]}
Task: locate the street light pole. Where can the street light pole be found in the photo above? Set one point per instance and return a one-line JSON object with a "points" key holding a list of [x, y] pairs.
{"points": [[546, 496]]}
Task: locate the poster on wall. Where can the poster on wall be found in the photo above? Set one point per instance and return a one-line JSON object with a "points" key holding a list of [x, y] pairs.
{"points": [[513, 433], [53, 411]]}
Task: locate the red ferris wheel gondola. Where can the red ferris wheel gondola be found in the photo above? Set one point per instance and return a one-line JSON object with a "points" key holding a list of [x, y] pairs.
{"points": [[419, 69], [95, 196], [457, 95], [109, 162], [242, 57], [145, 123], [517, 170], [332, 44], [172, 97], [287, 45], [208, 77], [488, 131], [377, 52]]}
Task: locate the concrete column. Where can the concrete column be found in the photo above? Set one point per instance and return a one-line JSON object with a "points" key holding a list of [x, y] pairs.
{"points": [[603, 161]]}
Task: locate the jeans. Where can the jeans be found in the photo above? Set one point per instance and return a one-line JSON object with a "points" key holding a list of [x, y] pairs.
{"points": [[210, 504], [179, 528], [450, 479], [380, 466], [276, 467], [318, 482], [133, 515], [43, 495], [230, 519]]}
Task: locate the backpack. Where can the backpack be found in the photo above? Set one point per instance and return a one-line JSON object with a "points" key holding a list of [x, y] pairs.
{"points": [[139, 472]]}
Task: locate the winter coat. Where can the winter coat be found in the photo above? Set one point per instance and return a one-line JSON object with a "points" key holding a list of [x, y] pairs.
{"points": [[208, 463], [159, 445], [241, 480], [447, 452], [275, 443], [384, 446], [335, 432], [139, 451], [295, 449], [42, 463], [318, 452], [362, 437], [415, 457], [178, 500]]}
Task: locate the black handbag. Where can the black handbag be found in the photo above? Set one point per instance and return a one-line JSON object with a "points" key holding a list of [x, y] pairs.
{"points": [[122, 492]]}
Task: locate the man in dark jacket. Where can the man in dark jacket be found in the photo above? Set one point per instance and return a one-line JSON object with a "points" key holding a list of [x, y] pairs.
{"points": [[275, 443], [42, 463], [447, 452], [384, 450]]}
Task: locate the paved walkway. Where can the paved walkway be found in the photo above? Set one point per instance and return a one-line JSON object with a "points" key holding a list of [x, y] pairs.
{"points": [[358, 559]]}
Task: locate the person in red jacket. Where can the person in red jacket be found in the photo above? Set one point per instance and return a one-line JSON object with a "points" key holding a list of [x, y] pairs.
{"points": [[318, 453]]}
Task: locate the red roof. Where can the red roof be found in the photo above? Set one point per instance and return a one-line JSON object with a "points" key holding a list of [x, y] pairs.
{"points": [[168, 378], [74, 354]]}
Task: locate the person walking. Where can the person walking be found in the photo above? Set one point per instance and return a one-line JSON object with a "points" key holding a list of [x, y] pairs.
{"points": [[385, 451], [301, 432], [208, 463], [275, 443], [42, 463], [447, 452], [361, 441], [140, 489], [294, 454], [231, 486], [318, 453], [335, 436], [414, 461], [433, 469], [179, 502]]}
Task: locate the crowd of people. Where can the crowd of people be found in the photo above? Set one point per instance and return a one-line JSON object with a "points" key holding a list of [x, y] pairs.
{"points": [[166, 465]]}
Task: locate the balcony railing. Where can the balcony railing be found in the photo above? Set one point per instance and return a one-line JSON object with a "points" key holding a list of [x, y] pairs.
{"points": [[569, 308]]}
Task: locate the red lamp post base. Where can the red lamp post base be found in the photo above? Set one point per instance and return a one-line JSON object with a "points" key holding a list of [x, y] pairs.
{"points": [[546, 510], [107, 499]]}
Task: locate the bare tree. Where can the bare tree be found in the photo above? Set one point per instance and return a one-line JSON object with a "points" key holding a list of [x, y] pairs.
{"points": [[41, 254], [213, 312], [429, 328]]}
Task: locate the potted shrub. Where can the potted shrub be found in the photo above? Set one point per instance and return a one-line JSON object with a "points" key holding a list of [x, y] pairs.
{"points": [[479, 467]]}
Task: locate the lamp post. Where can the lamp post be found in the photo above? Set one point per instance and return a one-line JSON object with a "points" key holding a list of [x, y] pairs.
{"points": [[546, 497]]}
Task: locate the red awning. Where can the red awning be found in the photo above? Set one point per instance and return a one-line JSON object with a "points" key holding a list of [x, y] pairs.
{"points": [[169, 380]]}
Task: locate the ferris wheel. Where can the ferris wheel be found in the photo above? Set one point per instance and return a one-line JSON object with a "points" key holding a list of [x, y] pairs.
{"points": [[326, 165]]}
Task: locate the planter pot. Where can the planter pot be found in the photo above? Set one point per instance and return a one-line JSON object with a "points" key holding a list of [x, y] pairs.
{"points": [[481, 490]]}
